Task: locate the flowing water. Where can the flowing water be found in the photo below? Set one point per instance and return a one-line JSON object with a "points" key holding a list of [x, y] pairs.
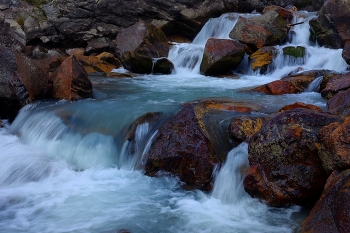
{"points": [[66, 167]]}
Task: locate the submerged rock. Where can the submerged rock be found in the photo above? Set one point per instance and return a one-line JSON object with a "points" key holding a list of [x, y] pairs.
{"points": [[331, 212], [285, 168], [221, 56]]}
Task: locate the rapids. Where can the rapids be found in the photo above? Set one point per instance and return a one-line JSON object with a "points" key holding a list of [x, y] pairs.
{"points": [[66, 167]]}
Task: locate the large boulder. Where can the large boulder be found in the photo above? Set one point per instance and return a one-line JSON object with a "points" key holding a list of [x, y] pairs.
{"points": [[331, 27], [70, 81], [336, 84], [340, 103], [193, 142], [270, 28], [139, 44], [285, 168], [331, 212], [335, 139], [221, 56]]}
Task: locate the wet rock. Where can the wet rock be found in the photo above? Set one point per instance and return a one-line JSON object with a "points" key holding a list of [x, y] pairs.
{"points": [[335, 139], [285, 168], [340, 103], [262, 58], [137, 63], [292, 84], [268, 29], [70, 81], [285, 13], [242, 127], [346, 52], [221, 56], [336, 84], [191, 143], [299, 105], [162, 66], [330, 27], [331, 212]]}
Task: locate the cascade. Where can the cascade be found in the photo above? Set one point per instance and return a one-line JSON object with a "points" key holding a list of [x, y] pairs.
{"points": [[228, 185], [314, 86]]}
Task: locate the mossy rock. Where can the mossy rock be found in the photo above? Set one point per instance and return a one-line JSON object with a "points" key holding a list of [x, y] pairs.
{"points": [[298, 51]]}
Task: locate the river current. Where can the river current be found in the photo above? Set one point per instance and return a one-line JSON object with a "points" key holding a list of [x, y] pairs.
{"points": [[63, 165]]}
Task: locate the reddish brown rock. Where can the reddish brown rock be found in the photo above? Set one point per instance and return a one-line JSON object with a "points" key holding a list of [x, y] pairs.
{"points": [[94, 64], [70, 81], [109, 58], [337, 83], [285, 168], [335, 139], [277, 87], [300, 105], [331, 27], [340, 103], [286, 14], [221, 56], [292, 84], [182, 147], [331, 212], [268, 29]]}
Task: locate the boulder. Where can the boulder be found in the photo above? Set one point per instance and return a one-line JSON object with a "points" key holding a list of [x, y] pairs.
{"points": [[262, 58], [268, 29], [139, 44], [340, 103], [9, 38], [331, 212], [70, 81], [221, 56], [193, 142], [285, 168], [336, 84], [278, 87], [346, 52], [331, 27], [335, 139]]}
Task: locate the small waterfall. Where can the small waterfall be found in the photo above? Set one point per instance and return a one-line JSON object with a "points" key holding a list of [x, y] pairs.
{"points": [[228, 185], [189, 56], [314, 86], [133, 152], [300, 34]]}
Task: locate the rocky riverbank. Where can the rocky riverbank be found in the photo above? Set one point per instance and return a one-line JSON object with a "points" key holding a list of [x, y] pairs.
{"points": [[298, 155]]}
